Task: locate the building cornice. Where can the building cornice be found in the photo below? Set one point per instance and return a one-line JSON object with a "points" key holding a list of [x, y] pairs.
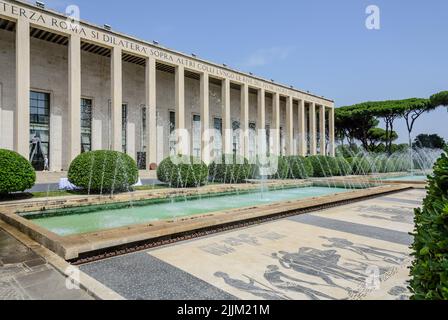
{"points": [[242, 77]]}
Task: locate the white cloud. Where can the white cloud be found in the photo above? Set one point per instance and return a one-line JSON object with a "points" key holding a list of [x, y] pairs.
{"points": [[267, 56]]}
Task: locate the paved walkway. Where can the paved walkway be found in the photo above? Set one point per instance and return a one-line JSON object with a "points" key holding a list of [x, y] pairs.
{"points": [[357, 251], [26, 276]]}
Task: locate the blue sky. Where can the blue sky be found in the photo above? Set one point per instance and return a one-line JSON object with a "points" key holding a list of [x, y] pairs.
{"points": [[322, 45]]}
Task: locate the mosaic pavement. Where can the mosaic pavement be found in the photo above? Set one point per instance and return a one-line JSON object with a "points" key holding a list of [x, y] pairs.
{"points": [[26, 276], [357, 251]]}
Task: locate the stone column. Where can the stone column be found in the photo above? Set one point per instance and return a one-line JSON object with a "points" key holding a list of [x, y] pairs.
{"points": [[116, 99], [205, 117], [182, 140], [74, 97], [312, 127], [322, 130], [151, 112], [289, 127], [303, 148], [275, 124], [22, 114], [226, 119], [332, 133], [244, 127], [261, 123]]}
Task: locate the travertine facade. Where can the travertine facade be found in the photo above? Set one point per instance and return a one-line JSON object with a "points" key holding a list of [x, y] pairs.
{"points": [[43, 51]]}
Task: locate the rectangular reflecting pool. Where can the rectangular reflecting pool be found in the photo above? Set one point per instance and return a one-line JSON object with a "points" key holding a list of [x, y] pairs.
{"points": [[80, 220]]}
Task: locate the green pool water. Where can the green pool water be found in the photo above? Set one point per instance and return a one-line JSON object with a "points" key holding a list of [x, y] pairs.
{"points": [[91, 219], [408, 178]]}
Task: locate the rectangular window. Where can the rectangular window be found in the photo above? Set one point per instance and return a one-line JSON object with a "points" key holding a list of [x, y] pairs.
{"points": [[39, 130], [196, 126], [217, 125], [124, 127], [86, 125], [172, 141]]}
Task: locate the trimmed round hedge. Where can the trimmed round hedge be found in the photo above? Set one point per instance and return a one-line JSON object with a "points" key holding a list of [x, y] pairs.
{"points": [[16, 173], [103, 171], [283, 169], [292, 167], [360, 166], [231, 169], [183, 172], [324, 166], [300, 167], [344, 167]]}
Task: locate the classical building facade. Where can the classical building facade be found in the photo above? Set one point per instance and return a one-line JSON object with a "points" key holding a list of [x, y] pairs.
{"points": [[68, 87]]}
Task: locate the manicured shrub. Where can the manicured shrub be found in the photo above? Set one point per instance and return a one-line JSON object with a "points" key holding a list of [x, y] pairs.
{"points": [[429, 269], [230, 169], [103, 171], [283, 169], [333, 163], [324, 166], [345, 168], [361, 166], [300, 167], [380, 164], [397, 164], [183, 172], [16, 173]]}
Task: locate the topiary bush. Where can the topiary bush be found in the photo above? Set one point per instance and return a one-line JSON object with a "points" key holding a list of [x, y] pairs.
{"points": [[380, 164], [103, 171], [324, 166], [300, 167], [429, 269], [397, 164], [230, 169], [333, 163], [361, 166], [183, 172], [345, 168], [283, 169], [16, 173]]}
